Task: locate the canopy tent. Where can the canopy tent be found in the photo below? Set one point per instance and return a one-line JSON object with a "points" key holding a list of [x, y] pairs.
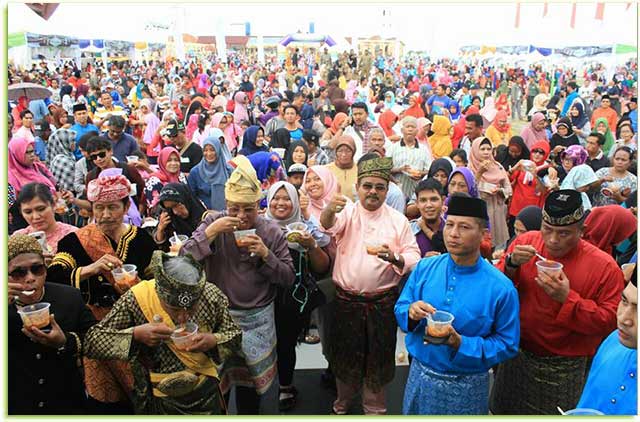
{"points": [[307, 38]]}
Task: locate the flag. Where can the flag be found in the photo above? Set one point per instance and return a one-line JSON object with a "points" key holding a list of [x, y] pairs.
{"points": [[600, 11], [573, 16], [518, 15], [546, 9]]}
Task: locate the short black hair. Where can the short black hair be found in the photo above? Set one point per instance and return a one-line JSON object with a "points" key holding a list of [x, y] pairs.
{"points": [[476, 119], [84, 139], [25, 112], [116, 121], [600, 136], [34, 190], [360, 105], [429, 184], [458, 152], [97, 143], [573, 85], [287, 107]]}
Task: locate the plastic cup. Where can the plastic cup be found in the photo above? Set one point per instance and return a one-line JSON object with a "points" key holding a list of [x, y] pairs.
{"points": [[183, 335], [549, 267], [583, 412], [61, 206], [240, 236], [373, 246], [176, 245], [438, 324], [132, 158], [125, 276], [41, 237], [295, 230], [36, 315]]}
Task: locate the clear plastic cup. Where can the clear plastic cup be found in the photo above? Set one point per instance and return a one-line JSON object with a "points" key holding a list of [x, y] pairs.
{"points": [[132, 159], [183, 335], [125, 276], [583, 412], [176, 245], [36, 315], [438, 324], [294, 230], [240, 237], [61, 206], [373, 246], [549, 267]]}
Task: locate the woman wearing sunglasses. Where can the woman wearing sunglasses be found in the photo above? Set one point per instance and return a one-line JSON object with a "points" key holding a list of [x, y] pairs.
{"points": [[43, 375]]}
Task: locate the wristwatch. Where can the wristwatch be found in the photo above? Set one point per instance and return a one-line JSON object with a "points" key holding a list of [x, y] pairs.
{"points": [[396, 258], [509, 263]]}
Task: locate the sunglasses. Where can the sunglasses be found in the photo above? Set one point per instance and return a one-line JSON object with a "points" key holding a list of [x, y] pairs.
{"points": [[538, 151], [21, 272], [94, 157]]}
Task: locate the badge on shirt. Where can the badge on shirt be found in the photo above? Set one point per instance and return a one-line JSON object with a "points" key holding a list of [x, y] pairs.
{"points": [[185, 160]]}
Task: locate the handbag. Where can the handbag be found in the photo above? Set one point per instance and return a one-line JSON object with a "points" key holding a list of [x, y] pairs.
{"points": [[304, 295]]}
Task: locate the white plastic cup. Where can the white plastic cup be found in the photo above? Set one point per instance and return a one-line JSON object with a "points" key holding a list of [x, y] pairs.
{"points": [[183, 335], [551, 268], [132, 159], [294, 230], [240, 236], [438, 323], [176, 245], [36, 315], [372, 246], [125, 276], [41, 237]]}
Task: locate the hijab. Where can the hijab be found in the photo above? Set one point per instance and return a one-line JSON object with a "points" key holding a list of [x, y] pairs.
{"points": [[387, 120], [569, 139], [440, 141], [389, 104], [240, 110], [530, 217], [60, 144], [162, 173], [608, 136], [415, 110], [306, 116], [316, 206], [215, 174], [578, 177], [192, 126], [338, 119], [296, 215], [230, 131], [249, 141], [489, 111], [440, 164], [180, 193], [609, 225], [581, 119], [454, 116], [288, 157], [506, 160], [501, 115], [265, 163], [495, 174], [19, 173], [281, 139], [530, 134], [469, 179]]}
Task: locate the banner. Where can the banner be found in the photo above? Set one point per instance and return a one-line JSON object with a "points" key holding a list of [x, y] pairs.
{"points": [[16, 39], [543, 51], [513, 49], [119, 47], [583, 51], [37, 40], [625, 49]]}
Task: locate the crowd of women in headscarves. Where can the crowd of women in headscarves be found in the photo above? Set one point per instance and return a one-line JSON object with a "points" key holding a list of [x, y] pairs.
{"points": [[298, 126]]}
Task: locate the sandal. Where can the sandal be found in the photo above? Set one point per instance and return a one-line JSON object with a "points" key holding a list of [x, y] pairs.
{"points": [[287, 398], [312, 339]]}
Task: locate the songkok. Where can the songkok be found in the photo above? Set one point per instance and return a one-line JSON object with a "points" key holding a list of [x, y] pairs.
{"points": [[22, 243], [272, 101], [297, 168], [242, 186], [79, 107], [108, 189], [173, 291], [563, 207], [468, 207], [376, 167]]}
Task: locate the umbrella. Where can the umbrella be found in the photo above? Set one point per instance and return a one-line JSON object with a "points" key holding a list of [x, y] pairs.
{"points": [[29, 90]]}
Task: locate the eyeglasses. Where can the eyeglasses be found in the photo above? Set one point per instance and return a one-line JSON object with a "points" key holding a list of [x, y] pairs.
{"points": [[94, 157], [21, 272], [29, 152], [379, 187], [537, 151]]}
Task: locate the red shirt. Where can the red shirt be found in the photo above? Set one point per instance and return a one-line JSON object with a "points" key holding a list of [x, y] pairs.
{"points": [[523, 194], [577, 326]]}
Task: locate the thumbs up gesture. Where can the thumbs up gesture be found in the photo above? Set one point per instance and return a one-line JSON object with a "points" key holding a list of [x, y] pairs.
{"points": [[338, 202], [304, 204]]}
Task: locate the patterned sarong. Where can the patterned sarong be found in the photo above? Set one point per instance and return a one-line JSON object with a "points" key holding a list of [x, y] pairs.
{"points": [[431, 393], [363, 338], [538, 385], [255, 366]]}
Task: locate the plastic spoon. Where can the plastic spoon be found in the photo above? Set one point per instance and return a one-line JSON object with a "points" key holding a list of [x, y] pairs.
{"points": [[562, 412], [541, 257]]}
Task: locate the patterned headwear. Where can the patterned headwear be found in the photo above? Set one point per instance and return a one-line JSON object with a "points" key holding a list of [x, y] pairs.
{"points": [[377, 167], [108, 189], [575, 153], [172, 291], [22, 243], [243, 186], [563, 207]]}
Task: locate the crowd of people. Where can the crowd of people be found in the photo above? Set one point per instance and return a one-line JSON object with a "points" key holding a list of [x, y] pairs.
{"points": [[349, 193]]}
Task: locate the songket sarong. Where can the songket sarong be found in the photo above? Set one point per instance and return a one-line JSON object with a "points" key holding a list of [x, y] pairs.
{"points": [[429, 392], [538, 385], [363, 338], [255, 366]]}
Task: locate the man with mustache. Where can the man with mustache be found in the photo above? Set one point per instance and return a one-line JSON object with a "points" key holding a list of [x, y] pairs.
{"points": [[375, 248]]}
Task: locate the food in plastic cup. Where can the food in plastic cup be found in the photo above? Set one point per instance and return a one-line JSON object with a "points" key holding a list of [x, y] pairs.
{"points": [[295, 230], [36, 315], [583, 412], [373, 246], [183, 335], [438, 324], [61, 206], [125, 276], [549, 267], [132, 158], [240, 236], [414, 172], [174, 249], [41, 237]]}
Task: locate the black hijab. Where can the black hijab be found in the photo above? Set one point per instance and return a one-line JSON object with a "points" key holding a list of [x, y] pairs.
{"points": [[566, 141], [281, 139], [288, 157], [179, 192], [503, 156]]}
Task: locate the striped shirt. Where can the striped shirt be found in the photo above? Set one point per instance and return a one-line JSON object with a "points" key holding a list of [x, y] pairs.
{"points": [[418, 157]]}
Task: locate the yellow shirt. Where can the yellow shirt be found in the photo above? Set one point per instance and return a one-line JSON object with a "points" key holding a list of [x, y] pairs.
{"points": [[497, 137], [347, 179]]}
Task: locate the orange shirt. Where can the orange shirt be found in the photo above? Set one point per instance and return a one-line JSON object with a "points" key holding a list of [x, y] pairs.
{"points": [[608, 113]]}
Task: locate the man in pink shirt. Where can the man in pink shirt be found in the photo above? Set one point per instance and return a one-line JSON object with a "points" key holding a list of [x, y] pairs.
{"points": [[375, 248]]}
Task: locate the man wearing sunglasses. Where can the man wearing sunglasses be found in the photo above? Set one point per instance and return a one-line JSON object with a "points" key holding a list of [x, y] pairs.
{"points": [[43, 376]]}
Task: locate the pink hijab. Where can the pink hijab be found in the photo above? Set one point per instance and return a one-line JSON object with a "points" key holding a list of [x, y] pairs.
{"points": [[192, 126], [495, 174], [530, 135], [330, 188], [230, 132], [21, 174], [240, 110]]}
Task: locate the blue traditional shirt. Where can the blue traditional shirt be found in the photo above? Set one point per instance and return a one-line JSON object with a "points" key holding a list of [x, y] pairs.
{"points": [[484, 303], [612, 386]]}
